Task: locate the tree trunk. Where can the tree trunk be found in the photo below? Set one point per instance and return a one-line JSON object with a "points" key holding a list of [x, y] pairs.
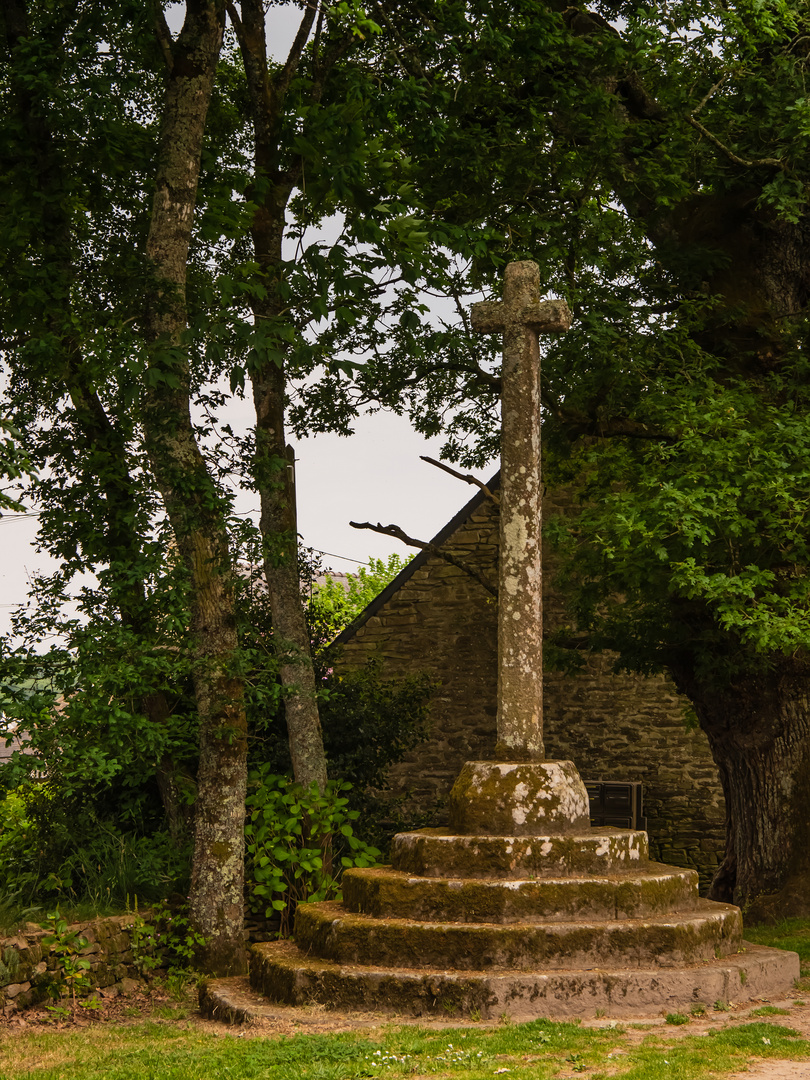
{"points": [[193, 504], [272, 471], [102, 459], [279, 532], [758, 728]]}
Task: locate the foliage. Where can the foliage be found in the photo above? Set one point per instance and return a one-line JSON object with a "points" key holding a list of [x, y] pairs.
{"points": [[332, 606], [165, 940], [71, 971], [54, 847], [653, 161], [298, 844]]}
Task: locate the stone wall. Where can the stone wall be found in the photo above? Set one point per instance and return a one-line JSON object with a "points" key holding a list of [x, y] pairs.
{"points": [[27, 967], [438, 619]]}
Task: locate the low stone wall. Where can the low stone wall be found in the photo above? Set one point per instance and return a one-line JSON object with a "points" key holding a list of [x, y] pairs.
{"points": [[28, 967]]}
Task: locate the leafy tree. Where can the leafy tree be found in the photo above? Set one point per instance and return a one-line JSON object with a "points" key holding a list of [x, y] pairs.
{"points": [[655, 162], [70, 331], [333, 605], [657, 172]]}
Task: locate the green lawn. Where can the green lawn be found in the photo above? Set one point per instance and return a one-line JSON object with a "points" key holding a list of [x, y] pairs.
{"points": [[174, 1050], [792, 934], [170, 1046]]}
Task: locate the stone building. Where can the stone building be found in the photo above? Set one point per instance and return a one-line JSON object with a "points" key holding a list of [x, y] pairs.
{"points": [[436, 618]]}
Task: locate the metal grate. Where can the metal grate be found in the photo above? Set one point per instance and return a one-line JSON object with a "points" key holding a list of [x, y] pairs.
{"points": [[615, 804]]}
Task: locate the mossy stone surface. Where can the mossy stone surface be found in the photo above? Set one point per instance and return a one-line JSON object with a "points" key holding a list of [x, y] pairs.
{"points": [[330, 932], [518, 799], [439, 853], [385, 893], [284, 975]]}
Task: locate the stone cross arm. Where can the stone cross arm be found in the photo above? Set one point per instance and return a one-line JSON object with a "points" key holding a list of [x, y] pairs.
{"points": [[544, 316]]}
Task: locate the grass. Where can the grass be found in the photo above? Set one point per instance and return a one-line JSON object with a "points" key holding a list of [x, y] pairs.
{"points": [[14, 916], [540, 1050], [170, 1046], [792, 934]]}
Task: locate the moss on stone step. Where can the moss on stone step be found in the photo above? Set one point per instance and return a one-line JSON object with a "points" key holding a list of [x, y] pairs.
{"points": [[385, 893], [330, 932]]}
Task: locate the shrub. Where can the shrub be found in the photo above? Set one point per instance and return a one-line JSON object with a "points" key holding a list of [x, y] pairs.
{"points": [[298, 844]]}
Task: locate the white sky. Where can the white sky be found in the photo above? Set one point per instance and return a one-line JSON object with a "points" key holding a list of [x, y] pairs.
{"points": [[375, 475]]}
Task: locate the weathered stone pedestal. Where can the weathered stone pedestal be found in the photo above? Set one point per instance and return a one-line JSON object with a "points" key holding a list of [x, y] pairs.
{"points": [[521, 909]]}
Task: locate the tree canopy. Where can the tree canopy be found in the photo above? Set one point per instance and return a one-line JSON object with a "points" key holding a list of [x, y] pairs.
{"points": [[161, 189]]}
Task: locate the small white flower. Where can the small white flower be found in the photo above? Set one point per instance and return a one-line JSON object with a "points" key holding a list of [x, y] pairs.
{"points": [[766, 1041]]}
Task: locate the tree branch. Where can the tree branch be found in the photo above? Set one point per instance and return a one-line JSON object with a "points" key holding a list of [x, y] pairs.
{"points": [[466, 477], [775, 163], [163, 35], [395, 531], [287, 73]]}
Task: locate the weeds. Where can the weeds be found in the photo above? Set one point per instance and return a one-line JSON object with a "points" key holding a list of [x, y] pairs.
{"points": [[71, 971], [677, 1018]]}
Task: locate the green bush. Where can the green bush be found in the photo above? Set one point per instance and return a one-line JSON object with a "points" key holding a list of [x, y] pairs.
{"points": [[298, 844], [54, 848]]}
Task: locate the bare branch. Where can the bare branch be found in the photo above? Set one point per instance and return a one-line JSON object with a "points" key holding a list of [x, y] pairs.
{"points": [[775, 163], [287, 73], [236, 22], [710, 94], [466, 477], [395, 531]]}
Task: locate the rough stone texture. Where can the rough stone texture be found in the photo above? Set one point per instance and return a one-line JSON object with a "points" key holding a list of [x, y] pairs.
{"points": [[435, 618], [519, 318], [552, 946], [385, 893], [278, 971], [518, 799], [666, 941], [27, 966], [437, 853]]}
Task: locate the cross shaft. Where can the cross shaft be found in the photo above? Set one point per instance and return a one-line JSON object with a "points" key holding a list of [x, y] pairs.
{"points": [[520, 317]]}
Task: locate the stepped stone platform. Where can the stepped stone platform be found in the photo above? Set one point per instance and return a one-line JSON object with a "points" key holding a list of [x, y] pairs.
{"points": [[566, 922]]}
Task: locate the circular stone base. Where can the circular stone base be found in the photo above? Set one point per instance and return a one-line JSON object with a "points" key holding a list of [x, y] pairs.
{"points": [[537, 798]]}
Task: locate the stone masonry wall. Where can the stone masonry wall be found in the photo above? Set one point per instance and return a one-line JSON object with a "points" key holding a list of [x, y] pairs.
{"points": [[27, 966], [613, 727]]}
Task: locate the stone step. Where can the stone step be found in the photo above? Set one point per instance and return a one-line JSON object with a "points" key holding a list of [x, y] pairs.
{"points": [[438, 853], [331, 932], [283, 975], [385, 893]]}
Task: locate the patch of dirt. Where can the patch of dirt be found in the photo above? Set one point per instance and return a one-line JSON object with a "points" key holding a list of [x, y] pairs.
{"points": [[116, 1008]]}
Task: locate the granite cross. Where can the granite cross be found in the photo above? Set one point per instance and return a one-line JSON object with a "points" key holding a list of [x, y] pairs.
{"points": [[520, 317]]}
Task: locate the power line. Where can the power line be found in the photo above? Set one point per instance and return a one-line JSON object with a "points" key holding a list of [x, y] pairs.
{"points": [[244, 513], [332, 555]]}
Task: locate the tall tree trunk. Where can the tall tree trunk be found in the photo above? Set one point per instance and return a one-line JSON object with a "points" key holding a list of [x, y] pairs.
{"points": [[758, 728], [195, 510], [274, 477], [102, 459], [290, 632]]}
